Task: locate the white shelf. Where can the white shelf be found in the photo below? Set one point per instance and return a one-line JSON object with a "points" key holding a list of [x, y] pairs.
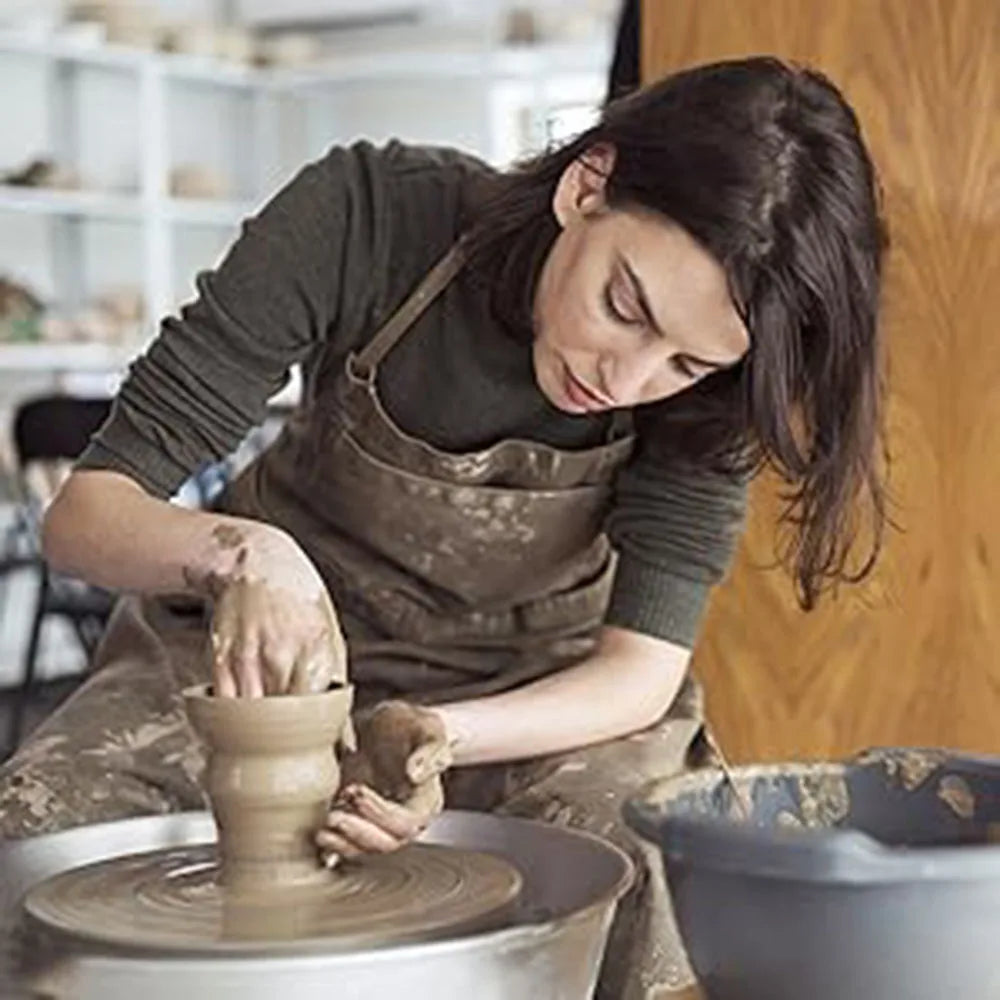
{"points": [[64, 357], [205, 212], [44, 201], [215, 72], [105, 359], [98, 205], [499, 64], [196, 69], [54, 47]]}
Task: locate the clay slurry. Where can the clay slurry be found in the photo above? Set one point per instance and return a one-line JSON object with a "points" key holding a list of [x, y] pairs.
{"points": [[171, 900]]}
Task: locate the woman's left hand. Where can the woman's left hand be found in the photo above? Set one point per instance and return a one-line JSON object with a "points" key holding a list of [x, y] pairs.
{"points": [[390, 784]]}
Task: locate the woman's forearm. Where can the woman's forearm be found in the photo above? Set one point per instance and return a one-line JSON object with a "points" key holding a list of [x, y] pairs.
{"points": [[104, 528], [625, 685]]}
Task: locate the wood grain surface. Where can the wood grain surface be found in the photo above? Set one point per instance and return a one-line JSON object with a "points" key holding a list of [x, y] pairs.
{"points": [[912, 656]]}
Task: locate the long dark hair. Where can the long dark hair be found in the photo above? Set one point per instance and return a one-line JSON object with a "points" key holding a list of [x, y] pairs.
{"points": [[763, 163]]}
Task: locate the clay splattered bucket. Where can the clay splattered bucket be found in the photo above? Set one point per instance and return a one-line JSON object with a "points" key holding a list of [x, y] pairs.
{"points": [[871, 879]]}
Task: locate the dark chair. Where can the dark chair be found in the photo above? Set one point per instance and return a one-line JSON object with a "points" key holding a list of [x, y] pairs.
{"points": [[51, 429]]}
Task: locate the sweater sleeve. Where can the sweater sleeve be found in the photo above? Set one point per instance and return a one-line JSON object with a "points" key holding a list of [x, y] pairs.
{"points": [[299, 269], [675, 532]]}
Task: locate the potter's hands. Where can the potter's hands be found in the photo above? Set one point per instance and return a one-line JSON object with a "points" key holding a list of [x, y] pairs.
{"points": [[274, 630], [390, 785]]}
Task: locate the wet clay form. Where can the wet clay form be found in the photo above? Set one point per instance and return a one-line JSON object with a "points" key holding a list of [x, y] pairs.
{"points": [[271, 771], [270, 774]]}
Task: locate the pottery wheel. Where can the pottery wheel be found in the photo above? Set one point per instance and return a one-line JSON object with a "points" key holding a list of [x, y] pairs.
{"points": [[170, 900]]}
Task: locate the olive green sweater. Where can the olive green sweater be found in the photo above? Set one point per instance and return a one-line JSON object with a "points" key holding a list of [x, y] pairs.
{"points": [[318, 270]]}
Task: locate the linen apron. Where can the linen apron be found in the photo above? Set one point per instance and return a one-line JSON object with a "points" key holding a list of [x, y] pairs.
{"points": [[454, 576]]}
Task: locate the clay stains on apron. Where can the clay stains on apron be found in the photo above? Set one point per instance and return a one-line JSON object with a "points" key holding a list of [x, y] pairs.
{"points": [[433, 609], [454, 575]]}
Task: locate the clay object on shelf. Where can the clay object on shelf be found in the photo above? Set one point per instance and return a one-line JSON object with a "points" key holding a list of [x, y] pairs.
{"points": [[21, 312], [235, 44], [192, 38], [42, 172], [196, 180], [270, 775], [134, 23], [287, 50]]}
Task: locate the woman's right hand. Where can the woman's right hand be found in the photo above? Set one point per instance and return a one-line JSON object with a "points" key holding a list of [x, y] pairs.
{"points": [[391, 784], [274, 629]]}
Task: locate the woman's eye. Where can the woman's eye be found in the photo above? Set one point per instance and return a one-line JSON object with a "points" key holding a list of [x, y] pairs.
{"points": [[614, 310], [683, 366]]}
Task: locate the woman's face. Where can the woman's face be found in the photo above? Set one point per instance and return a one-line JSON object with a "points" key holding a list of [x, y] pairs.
{"points": [[629, 309]]}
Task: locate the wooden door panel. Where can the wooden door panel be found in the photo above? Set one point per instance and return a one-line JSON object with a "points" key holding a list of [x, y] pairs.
{"points": [[911, 656]]}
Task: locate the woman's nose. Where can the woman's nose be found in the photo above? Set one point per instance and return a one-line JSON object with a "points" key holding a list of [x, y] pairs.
{"points": [[627, 378]]}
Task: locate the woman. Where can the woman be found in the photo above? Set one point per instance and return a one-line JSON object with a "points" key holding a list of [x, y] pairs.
{"points": [[498, 366]]}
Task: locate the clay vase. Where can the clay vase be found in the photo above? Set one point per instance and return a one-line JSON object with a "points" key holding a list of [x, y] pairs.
{"points": [[271, 773]]}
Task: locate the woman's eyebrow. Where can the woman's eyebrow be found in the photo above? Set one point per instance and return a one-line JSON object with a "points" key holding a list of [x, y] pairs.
{"points": [[640, 294], [647, 312]]}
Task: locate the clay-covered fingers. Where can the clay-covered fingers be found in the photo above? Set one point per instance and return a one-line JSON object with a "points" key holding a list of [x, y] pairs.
{"points": [[263, 658], [432, 757], [332, 847], [278, 653], [350, 835], [269, 608], [246, 666], [314, 666], [368, 823], [236, 647], [235, 667], [398, 820], [236, 671], [223, 679], [266, 644], [322, 660]]}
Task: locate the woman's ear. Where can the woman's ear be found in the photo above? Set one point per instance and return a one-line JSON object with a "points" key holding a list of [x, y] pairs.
{"points": [[581, 189]]}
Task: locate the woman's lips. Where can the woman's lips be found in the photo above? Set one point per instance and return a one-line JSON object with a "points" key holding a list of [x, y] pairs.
{"points": [[581, 395]]}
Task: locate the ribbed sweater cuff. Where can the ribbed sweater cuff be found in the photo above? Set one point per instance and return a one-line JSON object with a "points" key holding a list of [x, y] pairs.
{"points": [[151, 469], [646, 599]]}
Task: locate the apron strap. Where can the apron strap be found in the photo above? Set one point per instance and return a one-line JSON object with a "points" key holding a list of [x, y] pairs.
{"points": [[434, 282]]}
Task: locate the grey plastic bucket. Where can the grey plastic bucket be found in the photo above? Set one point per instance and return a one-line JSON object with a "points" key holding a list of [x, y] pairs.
{"points": [[872, 879]]}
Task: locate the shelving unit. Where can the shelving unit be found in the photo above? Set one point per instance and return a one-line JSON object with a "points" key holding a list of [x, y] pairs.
{"points": [[75, 357], [496, 63], [92, 204], [98, 205], [118, 57], [269, 105], [200, 212]]}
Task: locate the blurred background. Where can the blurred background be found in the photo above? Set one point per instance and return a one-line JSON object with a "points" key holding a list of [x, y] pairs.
{"points": [[135, 135]]}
